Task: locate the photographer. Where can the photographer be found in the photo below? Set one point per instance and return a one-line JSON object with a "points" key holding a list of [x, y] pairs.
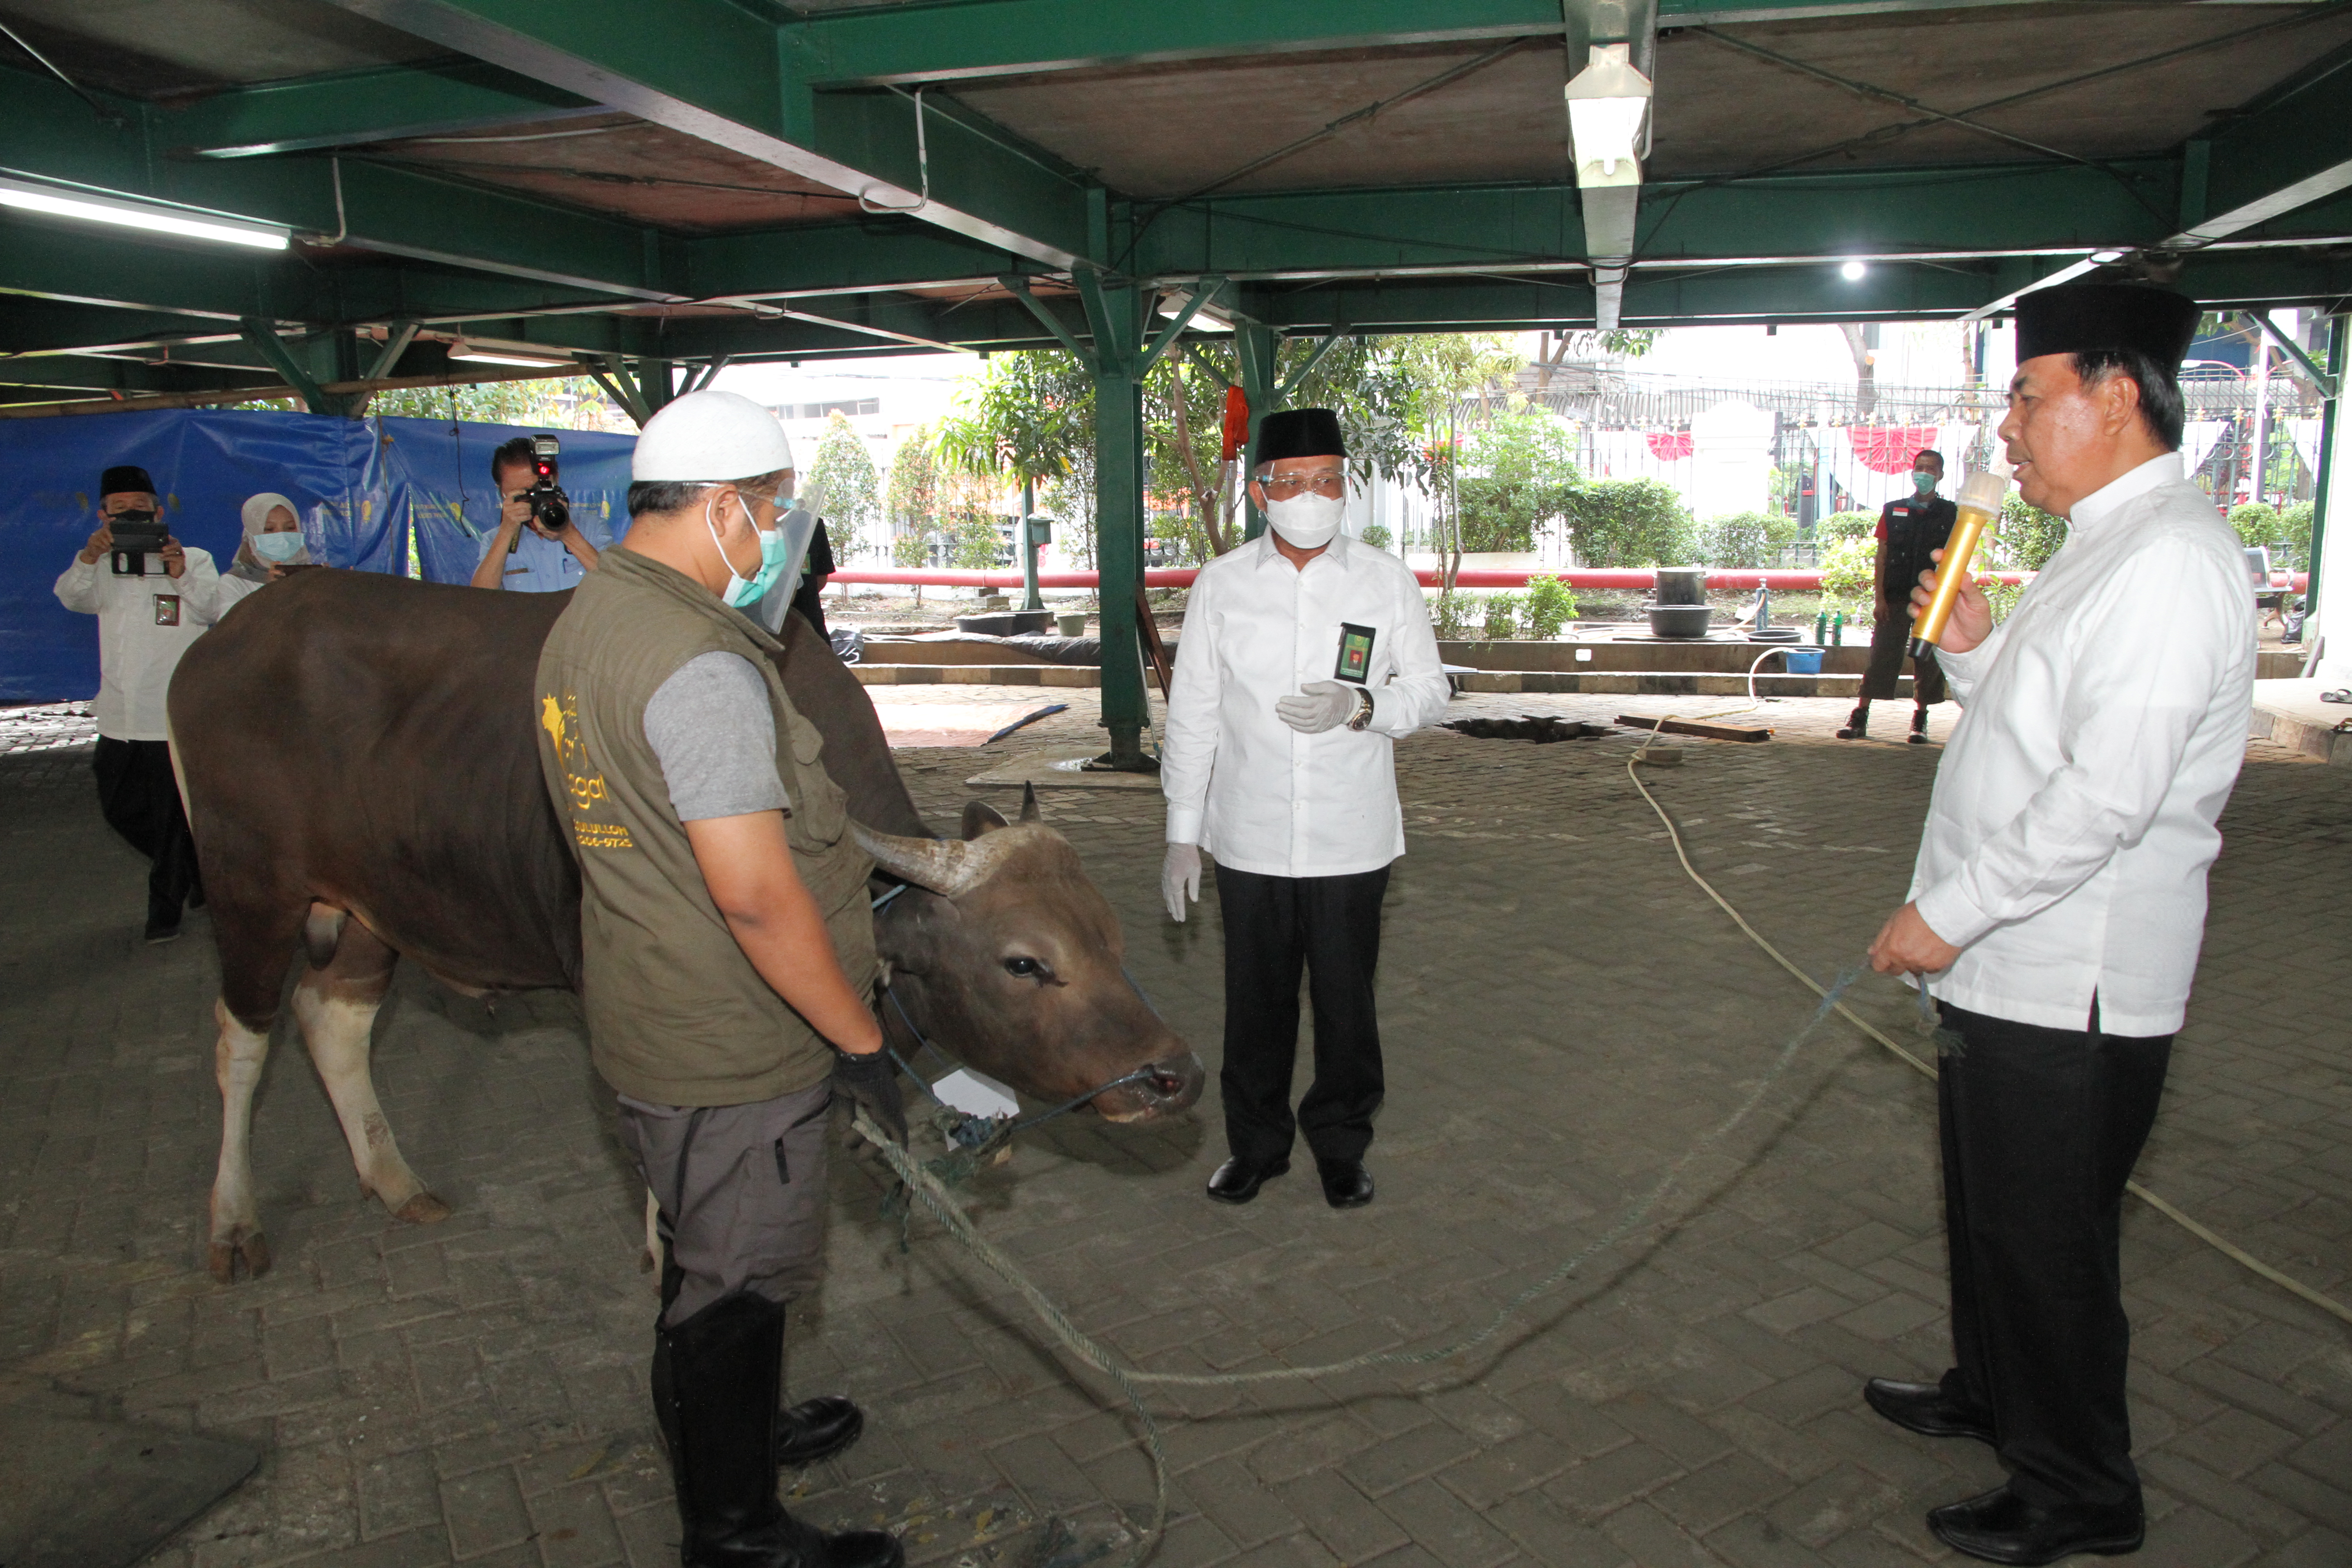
{"points": [[145, 622], [539, 547]]}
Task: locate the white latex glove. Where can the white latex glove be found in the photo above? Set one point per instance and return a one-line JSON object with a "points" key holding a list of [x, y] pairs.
{"points": [[1318, 706], [1180, 878]]}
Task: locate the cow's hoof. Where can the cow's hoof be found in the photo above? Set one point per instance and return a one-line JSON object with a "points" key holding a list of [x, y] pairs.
{"points": [[422, 1209], [241, 1252]]}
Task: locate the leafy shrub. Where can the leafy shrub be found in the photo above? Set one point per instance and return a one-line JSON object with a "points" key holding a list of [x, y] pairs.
{"points": [[2028, 536], [1845, 525], [1744, 539], [1551, 604], [1846, 574], [2257, 523], [1630, 522], [1501, 616], [1377, 535], [2294, 531], [1450, 614]]}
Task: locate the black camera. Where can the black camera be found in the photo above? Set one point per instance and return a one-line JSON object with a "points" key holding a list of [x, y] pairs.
{"points": [[549, 507], [137, 535]]}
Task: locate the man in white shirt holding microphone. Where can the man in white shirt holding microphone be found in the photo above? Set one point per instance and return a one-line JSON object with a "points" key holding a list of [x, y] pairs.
{"points": [[1303, 654], [2058, 904]]}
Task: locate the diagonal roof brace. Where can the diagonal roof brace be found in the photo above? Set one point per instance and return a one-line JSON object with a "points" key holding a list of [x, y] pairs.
{"points": [[2303, 362]]}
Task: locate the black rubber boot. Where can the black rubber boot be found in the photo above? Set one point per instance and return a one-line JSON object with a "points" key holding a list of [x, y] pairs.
{"points": [[1857, 724], [1918, 726], [716, 1381]]}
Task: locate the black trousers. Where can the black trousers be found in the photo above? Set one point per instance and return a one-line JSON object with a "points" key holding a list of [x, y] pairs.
{"points": [[140, 800], [1274, 925], [1890, 645], [2041, 1128]]}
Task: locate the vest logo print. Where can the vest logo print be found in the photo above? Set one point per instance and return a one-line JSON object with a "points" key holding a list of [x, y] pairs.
{"points": [[581, 784]]}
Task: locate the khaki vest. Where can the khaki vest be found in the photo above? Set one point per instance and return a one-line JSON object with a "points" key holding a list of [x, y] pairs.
{"points": [[676, 1015]]}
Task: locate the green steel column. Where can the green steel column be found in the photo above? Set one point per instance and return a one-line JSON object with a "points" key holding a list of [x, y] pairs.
{"points": [[2330, 420], [1116, 316], [1255, 347]]}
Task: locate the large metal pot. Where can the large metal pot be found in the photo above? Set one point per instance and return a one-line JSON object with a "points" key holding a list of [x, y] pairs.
{"points": [[1680, 585], [1680, 620]]}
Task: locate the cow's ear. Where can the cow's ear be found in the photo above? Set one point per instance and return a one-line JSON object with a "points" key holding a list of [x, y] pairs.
{"points": [[1029, 812], [979, 817]]}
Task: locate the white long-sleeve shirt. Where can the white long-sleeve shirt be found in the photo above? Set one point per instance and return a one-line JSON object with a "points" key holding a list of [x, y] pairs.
{"points": [[2072, 824], [1247, 787], [144, 624]]}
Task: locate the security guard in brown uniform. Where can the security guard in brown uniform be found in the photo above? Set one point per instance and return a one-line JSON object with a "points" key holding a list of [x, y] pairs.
{"points": [[728, 957]]}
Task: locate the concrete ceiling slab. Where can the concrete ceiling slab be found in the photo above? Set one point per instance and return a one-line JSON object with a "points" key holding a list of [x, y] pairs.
{"points": [[156, 49]]}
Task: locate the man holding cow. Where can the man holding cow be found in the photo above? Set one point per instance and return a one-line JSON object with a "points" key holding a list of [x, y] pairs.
{"points": [[728, 956]]}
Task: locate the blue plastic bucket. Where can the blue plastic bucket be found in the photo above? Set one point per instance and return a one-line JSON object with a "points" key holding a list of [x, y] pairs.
{"points": [[1802, 661]]}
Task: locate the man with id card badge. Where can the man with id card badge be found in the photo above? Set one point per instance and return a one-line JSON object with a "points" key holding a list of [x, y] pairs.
{"points": [[1303, 655]]}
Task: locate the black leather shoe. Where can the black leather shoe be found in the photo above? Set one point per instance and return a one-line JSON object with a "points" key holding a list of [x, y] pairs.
{"points": [[1346, 1183], [161, 930], [1926, 1410], [1237, 1181], [2001, 1527], [1857, 724], [1919, 726], [817, 1429]]}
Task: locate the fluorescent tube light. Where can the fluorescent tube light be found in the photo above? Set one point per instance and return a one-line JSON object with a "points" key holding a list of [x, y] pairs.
{"points": [[1608, 112], [129, 212], [508, 353]]}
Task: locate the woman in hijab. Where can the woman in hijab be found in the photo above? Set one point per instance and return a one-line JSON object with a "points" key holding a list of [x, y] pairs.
{"points": [[273, 541]]}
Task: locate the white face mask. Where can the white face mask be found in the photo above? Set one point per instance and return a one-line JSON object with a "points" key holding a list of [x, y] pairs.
{"points": [[1306, 521]]}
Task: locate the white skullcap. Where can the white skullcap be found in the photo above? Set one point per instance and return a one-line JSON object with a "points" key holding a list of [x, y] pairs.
{"points": [[711, 437]]}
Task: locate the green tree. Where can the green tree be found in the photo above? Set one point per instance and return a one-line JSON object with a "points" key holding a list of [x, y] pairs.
{"points": [[1518, 475], [573, 403], [1630, 522], [843, 477]]}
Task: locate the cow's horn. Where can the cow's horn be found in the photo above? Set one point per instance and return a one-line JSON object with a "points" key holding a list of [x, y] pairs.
{"points": [[948, 866]]}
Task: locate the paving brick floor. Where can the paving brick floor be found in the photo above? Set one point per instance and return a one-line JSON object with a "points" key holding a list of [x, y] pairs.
{"points": [[1563, 1014]]}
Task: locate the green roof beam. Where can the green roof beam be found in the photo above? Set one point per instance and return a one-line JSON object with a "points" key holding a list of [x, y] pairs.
{"points": [[714, 71], [353, 107]]}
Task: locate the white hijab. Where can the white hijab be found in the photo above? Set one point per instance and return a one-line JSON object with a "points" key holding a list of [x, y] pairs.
{"points": [[257, 511]]}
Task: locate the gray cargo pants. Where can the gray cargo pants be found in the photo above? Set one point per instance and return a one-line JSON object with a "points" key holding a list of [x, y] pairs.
{"points": [[742, 1192]]}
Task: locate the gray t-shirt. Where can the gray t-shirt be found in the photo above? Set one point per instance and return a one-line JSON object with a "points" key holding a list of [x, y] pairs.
{"points": [[711, 725]]}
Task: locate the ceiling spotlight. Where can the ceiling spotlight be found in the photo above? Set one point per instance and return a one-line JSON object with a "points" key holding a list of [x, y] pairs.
{"points": [[1853, 272], [130, 212]]}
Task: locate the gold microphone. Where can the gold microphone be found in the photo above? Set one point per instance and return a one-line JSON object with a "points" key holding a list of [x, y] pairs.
{"points": [[1981, 494]]}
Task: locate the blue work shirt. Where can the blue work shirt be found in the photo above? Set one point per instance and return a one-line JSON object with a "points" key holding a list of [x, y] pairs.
{"points": [[542, 565]]}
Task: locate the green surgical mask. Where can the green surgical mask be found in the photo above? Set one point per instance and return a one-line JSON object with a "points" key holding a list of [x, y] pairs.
{"points": [[1923, 481]]}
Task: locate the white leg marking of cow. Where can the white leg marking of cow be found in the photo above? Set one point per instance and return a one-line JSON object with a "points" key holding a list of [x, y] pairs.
{"points": [[236, 1236], [337, 1032]]}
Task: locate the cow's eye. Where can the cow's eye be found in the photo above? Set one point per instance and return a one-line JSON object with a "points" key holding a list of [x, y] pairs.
{"points": [[1027, 969]]}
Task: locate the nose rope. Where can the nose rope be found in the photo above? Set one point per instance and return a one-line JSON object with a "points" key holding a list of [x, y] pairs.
{"points": [[973, 1136]]}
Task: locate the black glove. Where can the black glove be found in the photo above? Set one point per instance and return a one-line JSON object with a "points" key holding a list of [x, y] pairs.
{"points": [[871, 1083]]}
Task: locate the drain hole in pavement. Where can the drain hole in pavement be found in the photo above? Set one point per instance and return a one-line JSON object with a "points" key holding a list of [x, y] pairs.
{"points": [[1529, 727]]}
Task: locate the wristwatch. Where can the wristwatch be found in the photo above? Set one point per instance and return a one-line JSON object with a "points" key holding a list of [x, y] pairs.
{"points": [[1363, 715]]}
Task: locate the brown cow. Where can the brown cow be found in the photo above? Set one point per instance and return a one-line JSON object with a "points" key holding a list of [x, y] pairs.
{"points": [[359, 768]]}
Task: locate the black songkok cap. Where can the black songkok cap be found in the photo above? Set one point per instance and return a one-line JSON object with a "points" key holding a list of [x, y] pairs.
{"points": [[1299, 432], [125, 479], [2076, 317]]}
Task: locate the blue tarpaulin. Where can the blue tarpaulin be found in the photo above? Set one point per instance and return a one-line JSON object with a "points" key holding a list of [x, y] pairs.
{"points": [[378, 495]]}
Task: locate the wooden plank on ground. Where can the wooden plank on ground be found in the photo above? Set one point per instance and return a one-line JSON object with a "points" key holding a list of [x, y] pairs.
{"points": [[1700, 727]]}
